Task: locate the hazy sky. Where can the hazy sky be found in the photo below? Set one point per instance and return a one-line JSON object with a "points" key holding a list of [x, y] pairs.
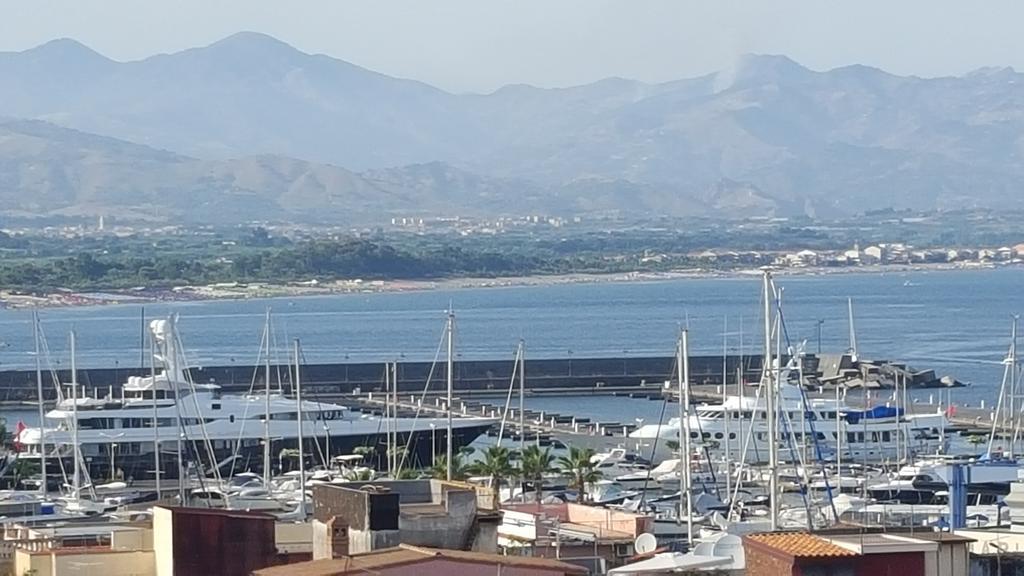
{"points": [[478, 45]]}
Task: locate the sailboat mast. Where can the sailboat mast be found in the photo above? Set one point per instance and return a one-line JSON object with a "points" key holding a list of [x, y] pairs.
{"points": [[522, 394], [725, 398], [1013, 420], [266, 398], [76, 482], [39, 395], [387, 417], [839, 441], [451, 383], [773, 449], [298, 412], [683, 363], [156, 419]]}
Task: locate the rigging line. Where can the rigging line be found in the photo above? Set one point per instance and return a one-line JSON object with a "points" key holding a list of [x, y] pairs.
{"points": [[654, 449], [423, 395], [247, 398], [508, 399], [45, 347], [325, 450], [180, 349], [805, 406], [747, 440], [316, 398]]}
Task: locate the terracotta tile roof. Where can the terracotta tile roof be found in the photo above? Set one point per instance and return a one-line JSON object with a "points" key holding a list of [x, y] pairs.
{"points": [[800, 544], [405, 554]]}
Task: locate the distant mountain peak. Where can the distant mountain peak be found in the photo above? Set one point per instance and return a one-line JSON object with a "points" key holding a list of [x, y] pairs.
{"points": [[758, 69], [253, 43], [64, 51], [993, 72]]}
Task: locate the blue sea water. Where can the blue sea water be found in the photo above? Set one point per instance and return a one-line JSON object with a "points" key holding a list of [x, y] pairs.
{"points": [[957, 322]]}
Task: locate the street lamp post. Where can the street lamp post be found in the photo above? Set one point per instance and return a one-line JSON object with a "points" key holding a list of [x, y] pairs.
{"points": [[113, 447], [433, 441], [820, 322]]}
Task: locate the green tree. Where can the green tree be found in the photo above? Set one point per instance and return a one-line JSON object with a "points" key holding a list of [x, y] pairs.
{"points": [[460, 470], [535, 464], [579, 467], [496, 465]]}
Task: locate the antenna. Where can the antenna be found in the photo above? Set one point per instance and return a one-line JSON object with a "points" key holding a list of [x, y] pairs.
{"points": [[645, 543]]}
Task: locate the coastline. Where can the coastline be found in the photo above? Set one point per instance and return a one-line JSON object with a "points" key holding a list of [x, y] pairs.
{"points": [[239, 291]]}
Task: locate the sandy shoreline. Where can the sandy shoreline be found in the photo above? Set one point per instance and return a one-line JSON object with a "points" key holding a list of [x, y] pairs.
{"points": [[235, 291]]}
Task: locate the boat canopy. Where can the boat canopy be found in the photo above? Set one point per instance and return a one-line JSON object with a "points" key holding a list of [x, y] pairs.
{"points": [[875, 413]]}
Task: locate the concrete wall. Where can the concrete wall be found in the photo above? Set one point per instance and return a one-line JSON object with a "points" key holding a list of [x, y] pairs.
{"points": [[445, 567], [292, 537], [950, 560], [140, 539], [112, 563], [360, 541], [450, 530], [163, 532], [606, 519]]}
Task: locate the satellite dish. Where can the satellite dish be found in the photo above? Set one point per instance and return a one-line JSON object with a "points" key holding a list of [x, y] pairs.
{"points": [[645, 543]]}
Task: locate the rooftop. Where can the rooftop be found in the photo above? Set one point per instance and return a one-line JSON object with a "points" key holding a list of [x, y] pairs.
{"points": [[883, 543], [800, 544], [218, 512], [405, 554]]}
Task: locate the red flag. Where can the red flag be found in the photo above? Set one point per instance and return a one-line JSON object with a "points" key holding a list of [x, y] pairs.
{"points": [[17, 435], [951, 411]]}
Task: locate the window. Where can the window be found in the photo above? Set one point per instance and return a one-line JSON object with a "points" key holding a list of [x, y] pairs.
{"points": [[719, 436]]}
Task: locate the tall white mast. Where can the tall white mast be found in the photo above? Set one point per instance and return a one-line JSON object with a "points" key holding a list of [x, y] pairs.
{"points": [[451, 383], [725, 398], [298, 411], [387, 418], [1003, 413], [156, 419], [769, 383], [522, 394], [76, 482], [266, 392], [683, 365], [39, 395]]}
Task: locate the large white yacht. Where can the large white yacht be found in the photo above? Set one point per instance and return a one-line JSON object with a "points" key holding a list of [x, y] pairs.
{"points": [[118, 434], [877, 435]]}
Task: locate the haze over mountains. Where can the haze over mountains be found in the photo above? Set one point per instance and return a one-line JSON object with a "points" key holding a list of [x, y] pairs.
{"points": [[250, 128]]}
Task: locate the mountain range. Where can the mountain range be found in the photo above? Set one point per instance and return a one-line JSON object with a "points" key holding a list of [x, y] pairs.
{"points": [[251, 128]]}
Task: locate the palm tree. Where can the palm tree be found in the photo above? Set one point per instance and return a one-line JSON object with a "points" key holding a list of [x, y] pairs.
{"points": [[580, 469], [535, 464], [497, 465], [460, 471]]}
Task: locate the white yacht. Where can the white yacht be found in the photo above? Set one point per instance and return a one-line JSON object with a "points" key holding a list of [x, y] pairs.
{"points": [[203, 426], [879, 434]]}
